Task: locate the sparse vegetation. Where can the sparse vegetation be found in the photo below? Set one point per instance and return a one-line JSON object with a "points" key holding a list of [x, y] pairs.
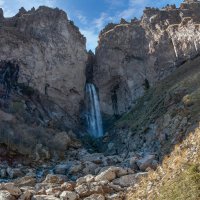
{"points": [[185, 185], [175, 178], [182, 87]]}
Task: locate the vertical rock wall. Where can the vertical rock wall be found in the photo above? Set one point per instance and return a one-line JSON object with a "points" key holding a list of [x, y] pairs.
{"points": [[130, 57], [51, 54]]}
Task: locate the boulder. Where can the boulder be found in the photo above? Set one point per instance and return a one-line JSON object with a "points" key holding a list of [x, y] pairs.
{"points": [[54, 179], [44, 197], [61, 169], [68, 186], [25, 181], [14, 172], [133, 163], [5, 195], [55, 191], [68, 195], [86, 179], [83, 190], [25, 196], [28, 188], [75, 168], [117, 196], [89, 167], [3, 173], [145, 162], [95, 197], [63, 140], [125, 181], [12, 189], [109, 174]]}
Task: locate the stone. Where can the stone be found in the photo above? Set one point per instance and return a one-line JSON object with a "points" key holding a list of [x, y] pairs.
{"points": [[14, 172], [90, 167], [96, 188], [82, 190], [77, 167], [86, 179], [141, 174], [125, 181], [25, 196], [118, 196], [3, 173], [61, 169], [44, 197], [68, 186], [53, 179], [41, 152], [5, 195], [145, 162], [108, 174], [68, 195], [64, 141], [133, 163], [55, 191], [116, 188], [12, 189], [95, 197], [25, 181]]}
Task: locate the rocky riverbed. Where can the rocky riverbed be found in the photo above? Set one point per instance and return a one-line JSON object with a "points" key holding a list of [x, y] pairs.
{"points": [[82, 175]]}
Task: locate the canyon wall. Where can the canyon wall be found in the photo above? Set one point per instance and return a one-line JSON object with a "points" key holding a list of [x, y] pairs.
{"points": [[51, 55], [131, 57]]}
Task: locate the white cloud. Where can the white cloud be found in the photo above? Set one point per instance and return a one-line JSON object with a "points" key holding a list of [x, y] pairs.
{"points": [[92, 38], [81, 17], [135, 8], [100, 22], [127, 14]]}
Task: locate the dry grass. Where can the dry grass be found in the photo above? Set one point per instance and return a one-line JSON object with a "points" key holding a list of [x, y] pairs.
{"points": [[178, 177]]}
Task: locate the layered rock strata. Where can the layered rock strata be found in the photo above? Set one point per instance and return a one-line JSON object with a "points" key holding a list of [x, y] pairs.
{"points": [[131, 57], [51, 55]]}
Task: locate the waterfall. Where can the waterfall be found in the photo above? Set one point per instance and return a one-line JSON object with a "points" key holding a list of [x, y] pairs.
{"points": [[94, 120], [175, 49], [195, 45]]}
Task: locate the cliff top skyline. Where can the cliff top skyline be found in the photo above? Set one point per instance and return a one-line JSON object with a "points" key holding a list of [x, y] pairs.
{"points": [[90, 16]]}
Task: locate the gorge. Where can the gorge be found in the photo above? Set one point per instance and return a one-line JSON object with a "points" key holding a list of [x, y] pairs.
{"points": [[122, 123]]}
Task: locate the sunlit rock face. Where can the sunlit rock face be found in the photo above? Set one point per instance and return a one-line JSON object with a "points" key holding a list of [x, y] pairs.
{"points": [[51, 54], [131, 57]]}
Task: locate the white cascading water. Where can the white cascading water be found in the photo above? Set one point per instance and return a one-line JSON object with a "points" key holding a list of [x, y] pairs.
{"points": [[175, 49], [94, 120]]}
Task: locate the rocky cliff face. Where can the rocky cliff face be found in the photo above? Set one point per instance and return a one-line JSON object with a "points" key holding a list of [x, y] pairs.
{"points": [[131, 57], [51, 55]]}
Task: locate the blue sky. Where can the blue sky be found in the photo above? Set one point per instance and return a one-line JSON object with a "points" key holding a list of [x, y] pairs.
{"points": [[90, 15]]}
